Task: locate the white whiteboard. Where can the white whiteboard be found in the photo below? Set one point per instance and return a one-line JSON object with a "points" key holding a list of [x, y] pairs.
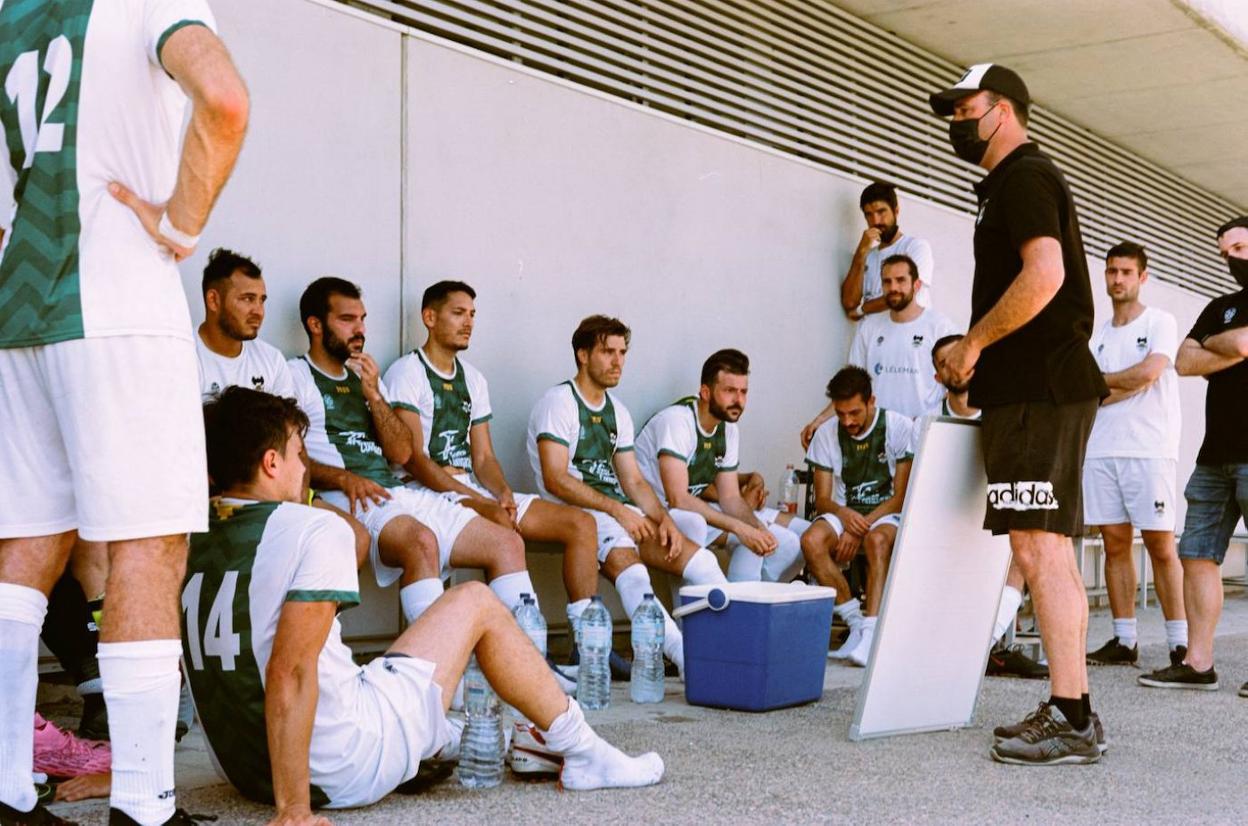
{"points": [[940, 601]]}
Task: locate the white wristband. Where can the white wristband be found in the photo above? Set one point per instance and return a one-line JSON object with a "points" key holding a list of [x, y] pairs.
{"points": [[176, 235]]}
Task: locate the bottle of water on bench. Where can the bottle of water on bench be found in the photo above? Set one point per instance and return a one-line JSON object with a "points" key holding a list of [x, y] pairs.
{"points": [[788, 491], [593, 684], [646, 683], [481, 752]]}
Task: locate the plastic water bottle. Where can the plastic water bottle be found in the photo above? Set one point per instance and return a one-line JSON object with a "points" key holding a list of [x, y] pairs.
{"points": [[481, 752], [529, 618], [788, 490], [593, 684], [646, 683]]}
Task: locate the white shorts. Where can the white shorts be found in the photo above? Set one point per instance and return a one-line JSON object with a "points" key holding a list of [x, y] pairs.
{"points": [[399, 696], [832, 519], [523, 500], [1121, 490], [611, 534], [102, 435], [443, 517]]}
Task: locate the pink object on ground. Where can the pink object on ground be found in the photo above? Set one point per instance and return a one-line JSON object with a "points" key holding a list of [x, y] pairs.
{"points": [[60, 754]]}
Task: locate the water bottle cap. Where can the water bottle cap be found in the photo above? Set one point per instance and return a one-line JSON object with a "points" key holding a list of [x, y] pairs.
{"points": [[649, 595], [595, 598], [525, 595]]}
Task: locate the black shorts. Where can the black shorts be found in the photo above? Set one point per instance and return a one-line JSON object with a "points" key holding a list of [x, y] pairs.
{"points": [[1033, 456]]}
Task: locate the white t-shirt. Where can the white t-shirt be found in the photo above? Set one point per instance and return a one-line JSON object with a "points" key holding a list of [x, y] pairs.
{"points": [[260, 366], [1145, 426], [675, 431], [592, 435], [899, 359], [918, 249], [867, 479], [448, 411], [74, 261]]}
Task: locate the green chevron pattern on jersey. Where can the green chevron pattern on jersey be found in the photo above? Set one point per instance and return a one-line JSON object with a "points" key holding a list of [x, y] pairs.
{"points": [[595, 448], [864, 467], [41, 50], [216, 642], [708, 452], [349, 426], [451, 417]]}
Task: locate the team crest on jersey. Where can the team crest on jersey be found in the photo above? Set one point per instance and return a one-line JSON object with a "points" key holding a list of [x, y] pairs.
{"points": [[1159, 507], [257, 382], [216, 388], [447, 386], [1228, 315], [706, 445], [916, 341], [328, 400], [1100, 347], [882, 458], [1141, 343], [595, 420], [879, 340]]}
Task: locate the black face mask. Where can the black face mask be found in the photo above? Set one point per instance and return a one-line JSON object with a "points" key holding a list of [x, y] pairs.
{"points": [[1239, 270], [967, 144]]}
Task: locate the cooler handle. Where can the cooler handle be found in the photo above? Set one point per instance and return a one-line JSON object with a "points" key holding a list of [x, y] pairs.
{"points": [[716, 599]]}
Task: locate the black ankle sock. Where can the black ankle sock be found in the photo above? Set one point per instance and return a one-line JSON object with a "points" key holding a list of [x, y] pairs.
{"points": [[1087, 704], [1072, 710]]}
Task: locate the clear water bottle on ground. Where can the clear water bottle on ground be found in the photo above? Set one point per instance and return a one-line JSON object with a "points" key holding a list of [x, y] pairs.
{"points": [[788, 490], [481, 752], [532, 623], [593, 685], [646, 683]]}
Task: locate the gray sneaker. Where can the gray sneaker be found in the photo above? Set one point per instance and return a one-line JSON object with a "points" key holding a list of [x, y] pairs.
{"points": [[1049, 741], [1007, 732], [1243, 690]]}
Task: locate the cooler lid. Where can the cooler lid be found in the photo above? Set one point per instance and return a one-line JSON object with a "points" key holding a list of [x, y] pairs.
{"points": [[763, 592]]}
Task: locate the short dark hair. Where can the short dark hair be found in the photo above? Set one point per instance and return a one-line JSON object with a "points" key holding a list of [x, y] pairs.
{"points": [[222, 263], [314, 303], [240, 425], [942, 341], [848, 382], [436, 294], [1129, 249], [595, 329], [901, 258], [729, 361], [878, 191], [1021, 110], [1241, 221]]}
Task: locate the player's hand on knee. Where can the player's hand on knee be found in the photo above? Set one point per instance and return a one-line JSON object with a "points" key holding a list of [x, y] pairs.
{"points": [[149, 216], [855, 523], [298, 816], [363, 492], [639, 528], [762, 543], [669, 536], [846, 546]]}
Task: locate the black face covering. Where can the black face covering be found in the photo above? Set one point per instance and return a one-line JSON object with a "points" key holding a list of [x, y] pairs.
{"points": [[967, 144], [1239, 270]]}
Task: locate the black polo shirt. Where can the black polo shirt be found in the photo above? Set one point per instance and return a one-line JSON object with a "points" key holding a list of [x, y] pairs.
{"points": [[1226, 437], [1026, 197]]}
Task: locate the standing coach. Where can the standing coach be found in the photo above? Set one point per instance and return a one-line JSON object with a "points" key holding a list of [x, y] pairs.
{"points": [[1030, 370]]}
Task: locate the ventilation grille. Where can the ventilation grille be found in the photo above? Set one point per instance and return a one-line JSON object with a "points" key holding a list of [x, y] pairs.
{"points": [[808, 79]]}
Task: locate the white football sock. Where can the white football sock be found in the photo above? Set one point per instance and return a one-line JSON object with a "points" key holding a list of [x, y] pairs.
{"points": [[633, 584], [575, 609], [509, 587], [589, 762], [22, 611], [1176, 633], [786, 561], [851, 612], [417, 597], [702, 569], [1125, 631], [141, 686], [1011, 600]]}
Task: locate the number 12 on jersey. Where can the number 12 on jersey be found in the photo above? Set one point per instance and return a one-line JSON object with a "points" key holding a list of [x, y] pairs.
{"points": [[21, 86], [218, 637]]}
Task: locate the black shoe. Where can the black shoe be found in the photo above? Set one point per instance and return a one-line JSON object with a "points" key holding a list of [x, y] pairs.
{"points": [[428, 774], [37, 816], [1010, 662], [1049, 741], [1243, 690], [1181, 676], [566, 681], [180, 817], [1114, 653], [94, 722], [1178, 655]]}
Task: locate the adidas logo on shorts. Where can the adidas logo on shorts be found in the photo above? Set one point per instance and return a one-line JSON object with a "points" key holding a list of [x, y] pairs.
{"points": [[1022, 496]]}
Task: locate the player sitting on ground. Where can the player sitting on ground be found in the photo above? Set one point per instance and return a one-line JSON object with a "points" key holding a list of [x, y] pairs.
{"points": [[353, 439], [580, 443], [861, 464], [445, 403], [692, 446], [289, 717]]}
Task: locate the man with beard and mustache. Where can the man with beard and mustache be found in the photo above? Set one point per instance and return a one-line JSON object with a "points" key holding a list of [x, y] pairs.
{"points": [[861, 466], [1217, 492], [355, 438], [689, 450], [862, 291], [580, 443], [1129, 472]]}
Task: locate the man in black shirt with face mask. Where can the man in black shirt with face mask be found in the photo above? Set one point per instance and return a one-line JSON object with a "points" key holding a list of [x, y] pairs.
{"points": [[1030, 370], [1217, 492]]}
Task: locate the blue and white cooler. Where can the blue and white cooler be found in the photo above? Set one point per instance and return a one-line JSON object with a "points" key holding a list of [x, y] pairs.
{"points": [[755, 646]]}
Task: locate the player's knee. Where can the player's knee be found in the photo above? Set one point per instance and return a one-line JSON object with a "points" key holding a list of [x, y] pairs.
{"points": [[471, 594], [420, 546], [879, 546], [511, 550], [812, 544]]}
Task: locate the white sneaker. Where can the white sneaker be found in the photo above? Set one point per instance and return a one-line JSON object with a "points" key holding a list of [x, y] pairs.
{"points": [[862, 651], [529, 753], [851, 642]]}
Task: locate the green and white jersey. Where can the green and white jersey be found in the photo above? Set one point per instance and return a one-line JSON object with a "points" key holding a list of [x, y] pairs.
{"points": [[448, 406], [256, 557], [592, 436], [340, 425], [864, 466], [85, 101], [675, 431]]}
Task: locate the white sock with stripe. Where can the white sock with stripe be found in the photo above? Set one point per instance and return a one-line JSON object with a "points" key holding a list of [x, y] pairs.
{"points": [[22, 611]]}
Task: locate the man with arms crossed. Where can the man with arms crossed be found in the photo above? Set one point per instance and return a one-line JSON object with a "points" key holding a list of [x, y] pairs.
{"points": [[1217, 492], [96, 352], [861, 465], [862, 291], [445, 403], [690, 447], [1030, 371], [353, 441], [580, 442], [1129, 473], [289, 717]]}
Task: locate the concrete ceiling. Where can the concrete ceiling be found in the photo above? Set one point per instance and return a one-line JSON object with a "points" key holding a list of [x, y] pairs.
{"points": [[1167, 79]]}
